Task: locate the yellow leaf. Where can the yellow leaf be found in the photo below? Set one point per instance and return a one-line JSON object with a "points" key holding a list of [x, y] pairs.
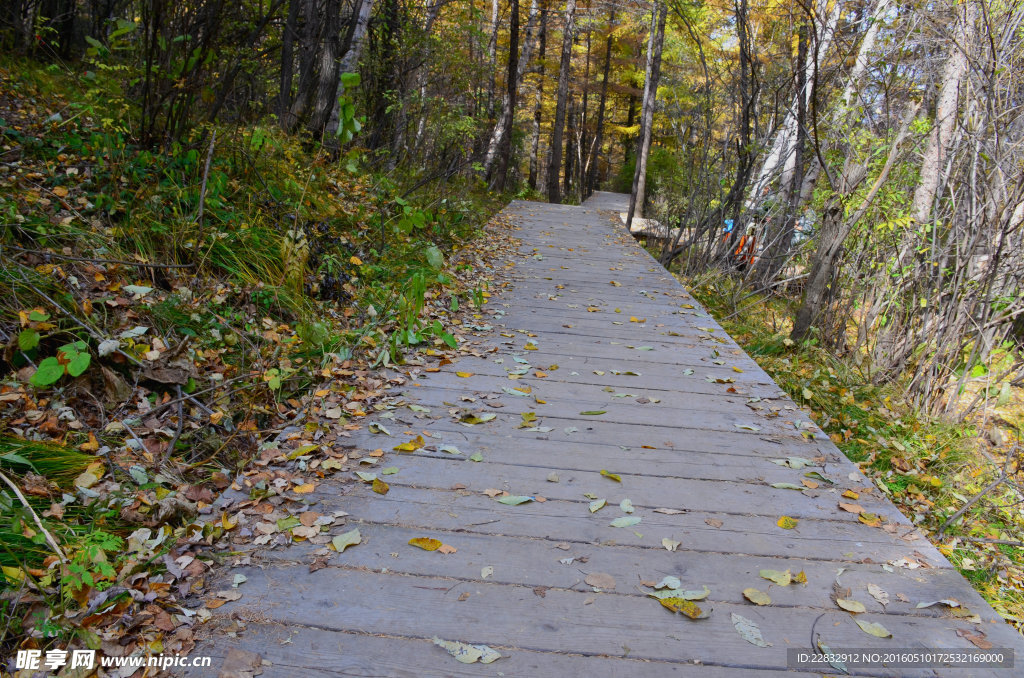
{"points": [[613, 476], [787, 523], [687, 607], [800, 577], [736, 369], [850, 494], [216, 417], [60, 191], [615, 283], [379, 486], [426, 543], [226, 522], [411, 446], [355, 260], [90, 446], [464, 375], [305, 488], [530, 347]]}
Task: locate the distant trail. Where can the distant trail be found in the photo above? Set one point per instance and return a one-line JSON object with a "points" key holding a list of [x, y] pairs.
{"points": [[603, 364]]}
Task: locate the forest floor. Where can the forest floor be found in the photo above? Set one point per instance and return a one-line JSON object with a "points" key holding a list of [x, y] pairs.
{"points": [[928, 466]]}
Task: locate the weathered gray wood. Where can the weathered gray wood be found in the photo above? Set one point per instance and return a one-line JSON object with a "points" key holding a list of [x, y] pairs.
{"points": [[374, 608]]}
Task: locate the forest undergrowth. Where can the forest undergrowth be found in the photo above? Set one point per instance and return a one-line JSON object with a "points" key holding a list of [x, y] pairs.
{"points": [[163, 315], [931, 468]]}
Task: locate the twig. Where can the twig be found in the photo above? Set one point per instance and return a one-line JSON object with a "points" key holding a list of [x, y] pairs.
{"points": [[177, 433], [39, 523], [123, 262], [1003, 475], [1005, 542], [202, 189]]}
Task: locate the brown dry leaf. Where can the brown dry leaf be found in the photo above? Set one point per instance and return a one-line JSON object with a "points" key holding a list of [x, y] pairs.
{"points": [[976, 637], [305, 488], [600, 580], [668, 511], [851, 508], [491, 492], [446, 549], [714, 522]]}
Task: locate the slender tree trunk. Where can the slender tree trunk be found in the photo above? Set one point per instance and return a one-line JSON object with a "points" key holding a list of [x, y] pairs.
{"points": [[308, 39], [777, 245], [953, 72], [537, 100], [565, 65], [654, 46], [599, 129], [570, 146], [503, 128], [350, 61], [288, 34], [512, 86]]}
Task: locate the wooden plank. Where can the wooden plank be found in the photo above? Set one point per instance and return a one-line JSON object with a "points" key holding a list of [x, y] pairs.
{"points": [[537, 562], [298, 650], [570, 521], [588, 622]]}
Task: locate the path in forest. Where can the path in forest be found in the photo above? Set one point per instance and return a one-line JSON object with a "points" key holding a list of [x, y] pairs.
{"points": [[689, 423]]}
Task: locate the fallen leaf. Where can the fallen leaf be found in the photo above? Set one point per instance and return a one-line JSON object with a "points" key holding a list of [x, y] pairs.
{"points": [[850, 494], [593, 412], [600, 580], [486, 572], [780, 578], [446, 549], [669, 511], [976, 637], [669, 582], [873, 629], [625, 521], [714, 522], [379, 486], [749, 631], [305, 488], [468, 654], [492, 492], [464, 375], [851, 508], [597, 505], [686, 607], [757, 597], [878, 593], [426, 543], [851, 605], [787, 523], [669, 544], [514, 499], [626, 505], [476, 457], [611, 476], [342, 541], [870, 519]]}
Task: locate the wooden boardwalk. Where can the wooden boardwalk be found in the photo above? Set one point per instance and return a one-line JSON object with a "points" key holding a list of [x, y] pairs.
{"points": [[642, 383]]}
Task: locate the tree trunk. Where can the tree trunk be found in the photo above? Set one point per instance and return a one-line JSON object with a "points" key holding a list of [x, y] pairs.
{"points": [[503, 128], [537, 100], [350, 61], [777, 245], [555, 157], [327, 70], [509, 107], [308, 39], [654, 45], [288, 34], [937, 147], [599, 131]]}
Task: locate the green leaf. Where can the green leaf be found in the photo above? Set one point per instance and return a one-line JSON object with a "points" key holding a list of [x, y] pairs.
{"points": [[28, 340], [38, 316], [350, 80], [873, 629], [592, 413], [434, 257], [343, 541], [49, 372], [477, 457], [78, 364], [625, 521], [514, 500]]}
